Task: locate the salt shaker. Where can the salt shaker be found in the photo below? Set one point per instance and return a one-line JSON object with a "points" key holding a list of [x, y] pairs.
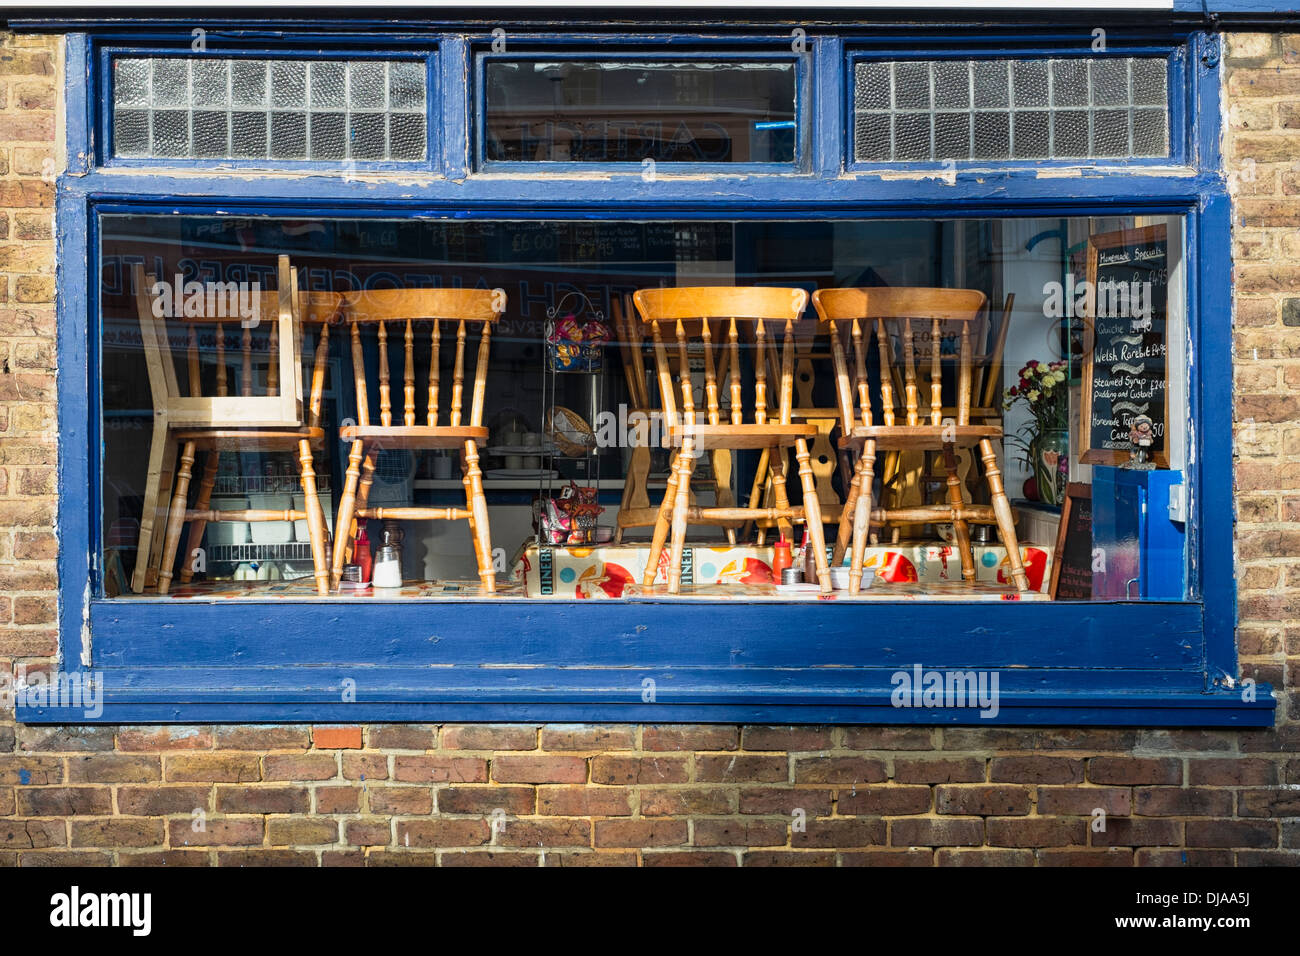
{"points": [[387, 572]]}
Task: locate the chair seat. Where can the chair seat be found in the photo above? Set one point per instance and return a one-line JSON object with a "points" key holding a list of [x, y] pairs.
{"points": [[248, 439], [919, 437], [738, 436], [414, 436]]}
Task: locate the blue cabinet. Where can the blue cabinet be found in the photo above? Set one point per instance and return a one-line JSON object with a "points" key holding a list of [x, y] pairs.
{"points": [[1139, 550]]}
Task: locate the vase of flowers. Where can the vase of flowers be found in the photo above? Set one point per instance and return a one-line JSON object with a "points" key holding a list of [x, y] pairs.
{"points": [[1045, 440]]}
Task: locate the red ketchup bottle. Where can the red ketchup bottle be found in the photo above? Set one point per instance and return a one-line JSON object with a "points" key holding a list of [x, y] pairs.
{"points": [[361, 555], [781, 558]]}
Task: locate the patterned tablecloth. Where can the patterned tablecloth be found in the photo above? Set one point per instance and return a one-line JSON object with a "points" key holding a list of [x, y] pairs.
{"points": [[909, 570], [902, 572]]}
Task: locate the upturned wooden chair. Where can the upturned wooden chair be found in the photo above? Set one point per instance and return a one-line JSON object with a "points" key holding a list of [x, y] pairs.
{"points": [[379, 307], [850, 315], [635, 510], [715, 316], [269, 422]]}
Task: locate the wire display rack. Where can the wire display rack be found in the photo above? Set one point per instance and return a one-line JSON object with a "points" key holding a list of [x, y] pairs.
{"points": [[574, 385]]}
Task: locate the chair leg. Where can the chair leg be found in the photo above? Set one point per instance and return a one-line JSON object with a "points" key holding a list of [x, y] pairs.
{"points": [[756, 492], [862, 517], [170, 455], [347, 507], [324, 521], [477, 505], [153, 492], [845, 531], [812, 515], [661, 524], [1002, 511], [961, 530], [776, 462], [473, 526], [681, 505], [363, 488], [176, 518], [315, 518], [721, 459], [635, 495], [194, 536]]}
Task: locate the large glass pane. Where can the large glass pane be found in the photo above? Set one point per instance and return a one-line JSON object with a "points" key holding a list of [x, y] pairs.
{"points": [[1075, 356], [726, 111]]}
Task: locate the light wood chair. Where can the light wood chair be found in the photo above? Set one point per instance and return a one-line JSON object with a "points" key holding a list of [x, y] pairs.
{"points": [[715, 316], [378, 307], [850, 315], [824, 459], [247, 422], [635, 510]]}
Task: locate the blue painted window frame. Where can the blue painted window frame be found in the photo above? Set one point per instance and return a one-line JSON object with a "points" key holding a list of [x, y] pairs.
{"points": [[647, 660]]}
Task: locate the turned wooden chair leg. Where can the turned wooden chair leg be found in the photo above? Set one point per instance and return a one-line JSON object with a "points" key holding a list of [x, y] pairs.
{"points": [[1002, 511], [661, 524], [176, 518], [362, 501], [721, 460], [368, 465], [812, 515], [477, 505], [153, 492], [681, 506], [324, 521], [315, 518], [194, 536], [170, 455], [756, 491], [845, 531], [473, 525], [347, 508], [862, 517], [776, 462], [961, 530]]}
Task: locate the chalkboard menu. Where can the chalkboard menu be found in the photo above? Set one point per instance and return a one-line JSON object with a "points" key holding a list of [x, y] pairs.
{"points": [[1126, 347], [1072, 562]]}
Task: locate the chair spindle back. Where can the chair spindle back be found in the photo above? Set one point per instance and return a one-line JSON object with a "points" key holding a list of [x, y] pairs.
{"points": [[715, 317], [381, 307], [894, 314], [267, 319]]}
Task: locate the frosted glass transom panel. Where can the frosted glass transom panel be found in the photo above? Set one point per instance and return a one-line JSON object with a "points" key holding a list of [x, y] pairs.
{"points": [[294, 110], [971, 110]]}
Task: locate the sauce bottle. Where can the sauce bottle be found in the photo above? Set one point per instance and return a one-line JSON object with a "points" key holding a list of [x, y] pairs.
{"points": [[781, 558], [809, 558], [361, 554]]}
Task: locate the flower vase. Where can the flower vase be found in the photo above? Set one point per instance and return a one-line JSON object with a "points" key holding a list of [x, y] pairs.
{"points": [[1050, 454]]}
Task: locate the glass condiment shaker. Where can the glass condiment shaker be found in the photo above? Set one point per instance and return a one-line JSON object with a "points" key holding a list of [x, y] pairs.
{"points": [[388, 568]]}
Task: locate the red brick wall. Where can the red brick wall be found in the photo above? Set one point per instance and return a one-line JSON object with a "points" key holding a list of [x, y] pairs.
{"points": [[623, 795]]}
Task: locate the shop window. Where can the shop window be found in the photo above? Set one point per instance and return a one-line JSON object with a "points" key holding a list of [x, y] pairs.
{"points": [[287, 342], [1023, 109], [290, 110], [1071, 358], [627, 111]]}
